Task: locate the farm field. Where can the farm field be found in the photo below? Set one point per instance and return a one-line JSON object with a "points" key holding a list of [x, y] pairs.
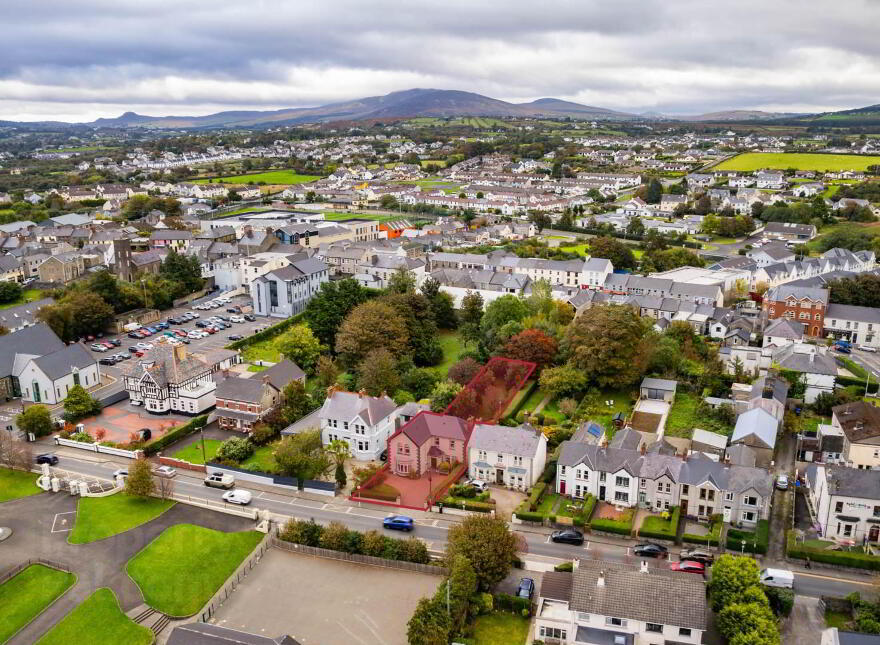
{"points": [[268, 177], [751, 161]]}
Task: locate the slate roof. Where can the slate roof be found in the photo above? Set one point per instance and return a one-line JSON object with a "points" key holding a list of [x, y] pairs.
{"points": [[37, 337], [659, 596], [858, 420], [810, 363], [853, 312], [208, 634], [757, 422], [522, 441], [249, 390], [556, 585], [13, 317], [709, 438], [784, 291], [659, 384], [853, 482], [56, 365], [160, 364], [283, 373], [785, 328], [348, 405], [775, 386], [431, 424]]}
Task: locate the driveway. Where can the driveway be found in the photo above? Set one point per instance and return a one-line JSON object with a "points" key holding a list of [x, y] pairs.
{"points": [[506, 501], [40, 527], [805, 624]]}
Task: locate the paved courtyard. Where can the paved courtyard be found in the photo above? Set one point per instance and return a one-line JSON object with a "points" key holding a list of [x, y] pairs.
{"points": [[325, 602], [121, 419]]}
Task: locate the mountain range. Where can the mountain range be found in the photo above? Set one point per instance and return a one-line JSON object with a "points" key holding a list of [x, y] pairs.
{"points": [[436, 103]]}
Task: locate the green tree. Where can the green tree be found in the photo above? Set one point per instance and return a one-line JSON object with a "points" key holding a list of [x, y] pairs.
{"points": [[299, 345], [370, 325], [488, 543], [429, 624], [139, 482], [753, 618], [79, 404], [295, 403], [732, 576], [421, 329], [326, 311], [420, 381], [107, 286], [388, 202], [507, 308], [611, 345], [10, 291], [654, 192], [302, 456], [35, 419], [635, 227], [185, 270], [377, 373], [620, 255], [402, 281], [441, 304], [443, 394], [462, 583], [235, 449], [563, 381], [326, 371], [339, 452], [471, 312]]}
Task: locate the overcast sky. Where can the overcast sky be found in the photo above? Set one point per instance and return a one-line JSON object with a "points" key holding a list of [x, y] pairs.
{"points": [[76, 60]]}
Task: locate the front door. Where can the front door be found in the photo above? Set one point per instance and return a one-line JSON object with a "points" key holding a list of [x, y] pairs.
{"points": [[434, 463], [562, 487], [602, 493], [36, 387], [499, 475], [874, 533]]}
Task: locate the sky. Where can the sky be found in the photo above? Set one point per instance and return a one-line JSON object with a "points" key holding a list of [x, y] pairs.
{"points": [[77, 60]]}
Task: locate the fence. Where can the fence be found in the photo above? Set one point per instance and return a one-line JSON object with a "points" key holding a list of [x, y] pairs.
{"points": [[359, 559], [96, 447], [180, 463], [223, 507], [14, 571], [268, 479], [232, 582], [110, 399]]}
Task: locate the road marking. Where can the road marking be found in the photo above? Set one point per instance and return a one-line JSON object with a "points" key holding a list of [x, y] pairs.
{"points": [[587, 548], [846, 580], [547, 541], [64, 528]]}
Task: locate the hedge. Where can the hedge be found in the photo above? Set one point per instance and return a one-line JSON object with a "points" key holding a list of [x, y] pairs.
{"points": [[469, 504], [529, 516], [711, 539], [839, 558], [583, 519], [565, 566], [523, 395], [537, 493], [506, 602], [614, 526], [173, 435], [267, 334], [754, 542], [659, 528]]}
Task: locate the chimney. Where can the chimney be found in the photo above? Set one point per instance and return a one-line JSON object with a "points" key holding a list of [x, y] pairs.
{"points": [[643, 567], [180, 352], [600, 581]]}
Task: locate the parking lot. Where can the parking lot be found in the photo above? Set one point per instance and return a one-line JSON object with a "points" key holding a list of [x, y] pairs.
{"points": [[336, 603]]}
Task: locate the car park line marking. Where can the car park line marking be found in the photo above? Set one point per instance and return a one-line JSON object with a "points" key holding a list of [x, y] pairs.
{"points": [[547, 541], [587, 547], [63, 523]]}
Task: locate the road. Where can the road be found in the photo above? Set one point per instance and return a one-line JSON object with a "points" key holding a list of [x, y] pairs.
{"points": [[432, 528]]}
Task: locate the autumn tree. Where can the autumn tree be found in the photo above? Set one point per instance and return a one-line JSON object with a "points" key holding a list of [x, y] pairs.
{"points": [[443, 394], [139, 482], [421, 329], [328, 308], [464, 370], [562, 381], [299, 345], [370, 325], [531, 345]]}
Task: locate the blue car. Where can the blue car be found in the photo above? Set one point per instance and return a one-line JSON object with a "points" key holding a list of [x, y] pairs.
{"points": [[398, 523], [152, 330]]}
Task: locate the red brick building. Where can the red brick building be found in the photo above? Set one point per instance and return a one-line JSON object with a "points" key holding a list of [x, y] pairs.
{"points": [[805, 305], [427, 441]]}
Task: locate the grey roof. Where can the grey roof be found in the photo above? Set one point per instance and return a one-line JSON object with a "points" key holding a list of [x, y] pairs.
{"points": [[709, 438], [785, 328], [853, 312], [162, 366], [61, 363], [659, 384], [522, 441], [13, 317], [597, 636], [770, 387], [855, 638], [812, 363], [208, 634], [853, 482], [784, 291], [38, 338], [237, 388], [741, 455], [627, 438], [659, 596], [756, 422], [348, 405], [283, 373]]}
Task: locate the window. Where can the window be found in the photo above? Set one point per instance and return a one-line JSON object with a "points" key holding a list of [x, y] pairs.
{"points": [[838, 507], [615, 622], [877, 511], [437, 441], [345, 425], [620, 496], [621, 481], [684, 489], [748, 516], [482, 455], [684, 631], [562, 470], [750, 500], [728, 497], [643, 483], [553, 632], [654, 627]]}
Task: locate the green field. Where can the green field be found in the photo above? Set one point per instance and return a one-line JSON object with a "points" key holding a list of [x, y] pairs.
{"points": [[29, 592], [17, 483], [193, 452], [180, 570], [97, 621], [102, 517], [268, 177], [27, 295], [751, 161]]}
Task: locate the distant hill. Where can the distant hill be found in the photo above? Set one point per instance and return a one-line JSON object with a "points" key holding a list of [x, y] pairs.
{"points": [[740, 115], [869, 115]]}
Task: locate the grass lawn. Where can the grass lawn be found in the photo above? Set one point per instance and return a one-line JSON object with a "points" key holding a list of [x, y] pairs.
{"points": [[335, 217], [24, 596], [500, 628], [193, 452], [262, 459], [101, 517], [256, 368], [27, 295], [269, 177], [622, 403], [452, 346], [265, 350], [683, 418], [836, 619], [180, 570], [249, 209], [751, 161], [97, 621], [580, 249], [811, 423], [17, 483]]}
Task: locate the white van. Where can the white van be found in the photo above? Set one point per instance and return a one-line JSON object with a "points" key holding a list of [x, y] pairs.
{"points": [[777, 578]]}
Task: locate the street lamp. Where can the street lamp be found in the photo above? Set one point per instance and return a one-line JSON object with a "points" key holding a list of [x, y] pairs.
{"points": [[144, 285], [743, 549]]}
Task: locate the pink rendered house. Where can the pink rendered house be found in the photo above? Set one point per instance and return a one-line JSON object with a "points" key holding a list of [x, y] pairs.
{"points": [[428, 440]]}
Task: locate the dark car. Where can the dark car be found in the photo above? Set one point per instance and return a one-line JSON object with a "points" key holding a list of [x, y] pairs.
{"points": [[133, 334], [398, 523], [114, 341], [173, 321], [47, 458], [526, 588], [650, 550], [250, 317], [233, 310], [236, 337], [568, 536], [201, 324], [697, 555], [133, 349], [109, 360]]}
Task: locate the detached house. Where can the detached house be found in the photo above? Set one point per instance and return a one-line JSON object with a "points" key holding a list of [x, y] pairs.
{"points": [[168, 379], [241, 402], [365, 422], [427, 441], [507, 456]]}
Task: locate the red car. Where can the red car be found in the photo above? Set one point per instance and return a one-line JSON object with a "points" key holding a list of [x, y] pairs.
{"points": [[138, 354], [688, 566]]}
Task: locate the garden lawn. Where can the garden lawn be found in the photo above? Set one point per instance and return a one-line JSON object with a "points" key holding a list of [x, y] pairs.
{"points": [[836, 619], [28, 593], [751, 161], [265, 350], [102, 517], [17, 483], [263, 459], [500, 629], [453, 346], [334, 217], [97, 621], [193, 452], [180, 570], [27, 295], [683, 418], [268, 177], [622, 403]]}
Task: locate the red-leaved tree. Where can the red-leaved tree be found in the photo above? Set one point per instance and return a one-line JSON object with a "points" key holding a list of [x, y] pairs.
{"points": [[531, 345]]}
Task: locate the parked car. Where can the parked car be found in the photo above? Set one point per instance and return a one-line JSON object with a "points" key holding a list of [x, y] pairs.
{"points": [[250, 317], [122, 357], [201, 324], [219, 480], [120, 472], [651, 550], [47, 458], [867, 348], [688, 566], [108, 360], [236, 337], [842, 349], [782, 482], [697, 555], [234, 310], [479, 484], [398, 523], [526, 588], [242, 497], [133, 334], [114, 341], [165, 471], [568, 536], [144, 346], [133, 349], [236, 319], [98, 348], [173, 321]]}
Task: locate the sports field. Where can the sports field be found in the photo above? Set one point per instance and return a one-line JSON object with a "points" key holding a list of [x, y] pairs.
{"points": [[269, 177], [751, 161]]}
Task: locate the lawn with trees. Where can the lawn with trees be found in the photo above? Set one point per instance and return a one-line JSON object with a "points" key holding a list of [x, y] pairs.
{"points": [[98, 620], [198, 560], [102, 517], [28, 593]]}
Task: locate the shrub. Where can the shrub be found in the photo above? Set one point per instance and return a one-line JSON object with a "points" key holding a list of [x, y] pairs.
{"points": [[174, 435], [535, 496], [463, 490], [565, 566], [302, 532], [515, 604], [839, 558], [82, 437], [266, 334], [335, 537], [756, 542], [469, 505], [262, 434], [235, 449], [660, 528], [484, 602], [529, 516], [781, 600]]}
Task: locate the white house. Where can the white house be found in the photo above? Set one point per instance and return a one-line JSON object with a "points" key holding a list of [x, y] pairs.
{"points": [[616, 603], [168, 379], [860, 325], [819, 369], [846, 502], [782, 331], [365, 422], [285, 292], [507, 456], [48, 378]]}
